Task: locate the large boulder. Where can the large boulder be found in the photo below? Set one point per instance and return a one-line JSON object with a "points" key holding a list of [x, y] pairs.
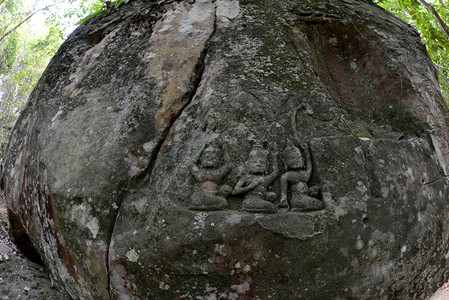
{"points": [[232, 149]]}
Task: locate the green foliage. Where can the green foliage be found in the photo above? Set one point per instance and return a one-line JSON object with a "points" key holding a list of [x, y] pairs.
{"points": [[25, 52], [104, 9], [97, 13], [8, 52], [413, 12]]}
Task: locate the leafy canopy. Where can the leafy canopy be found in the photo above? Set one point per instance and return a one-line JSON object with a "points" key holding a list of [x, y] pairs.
{"points": [[432, 31], [25, 52]]}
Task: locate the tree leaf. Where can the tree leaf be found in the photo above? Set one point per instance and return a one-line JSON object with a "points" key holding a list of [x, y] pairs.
{"points": [[94, 14], [118, 2]]}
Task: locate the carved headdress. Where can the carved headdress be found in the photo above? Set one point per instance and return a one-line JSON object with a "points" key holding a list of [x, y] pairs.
{"points": [[258, 151], [292, 156], [212, 147]]}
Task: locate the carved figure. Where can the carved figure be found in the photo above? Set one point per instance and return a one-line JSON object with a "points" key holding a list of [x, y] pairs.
{"points": [[211, 196], [294, 180], [255, 184], [295, 192]]}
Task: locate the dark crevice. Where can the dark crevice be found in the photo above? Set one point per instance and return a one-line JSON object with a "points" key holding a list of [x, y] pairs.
{"points": [[22, 240], [373, 181], [187, 98], [151, 19], [434, 181], [310, 17]]}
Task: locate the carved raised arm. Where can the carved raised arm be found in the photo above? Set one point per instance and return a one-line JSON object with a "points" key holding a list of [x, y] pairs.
{"points": [[194, 168], [293, 120], [273, 175], [308, 158]]}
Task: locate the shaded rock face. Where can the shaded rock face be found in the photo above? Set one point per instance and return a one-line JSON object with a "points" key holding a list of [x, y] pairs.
{"points": [[236, 149], [23, 279]]}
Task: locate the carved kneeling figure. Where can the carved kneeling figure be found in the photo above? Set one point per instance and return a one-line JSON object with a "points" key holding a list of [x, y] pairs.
{"points": [[294, 181], [210, 195]]}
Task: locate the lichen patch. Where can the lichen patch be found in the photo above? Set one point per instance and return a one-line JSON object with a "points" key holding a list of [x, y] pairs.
{"points": [[132, 255], [177, 43], [93, 227], [226, 11]]}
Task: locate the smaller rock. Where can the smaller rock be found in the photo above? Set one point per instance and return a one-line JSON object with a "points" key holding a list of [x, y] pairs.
{"points": [[22, 279]]}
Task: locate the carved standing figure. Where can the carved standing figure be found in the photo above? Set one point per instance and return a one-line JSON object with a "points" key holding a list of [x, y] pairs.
{"points": [[211, 196], [255, 184], [294, 182]]}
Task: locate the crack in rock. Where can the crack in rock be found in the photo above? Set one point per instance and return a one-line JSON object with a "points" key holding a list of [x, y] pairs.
{"points": [[177, 86]]}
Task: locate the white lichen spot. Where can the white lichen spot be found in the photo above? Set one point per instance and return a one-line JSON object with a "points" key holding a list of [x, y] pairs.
{"points": [[234, 219], [247, 268], [150, 146], [219, 249], [359, 244], [353, 65], [211, 296], [164, 286], [200, 221], [237, 265], [56, 116], [403, 249], [385, 191], [361, 187], [409, 173], [132, 255], [93, 227], [233, 296], [114, 205], [226, 11], [241, 288]]}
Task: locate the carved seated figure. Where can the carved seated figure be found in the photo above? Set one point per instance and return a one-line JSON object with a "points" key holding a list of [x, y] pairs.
{"points": [[210, 196], [294, 181], [255, 184]]}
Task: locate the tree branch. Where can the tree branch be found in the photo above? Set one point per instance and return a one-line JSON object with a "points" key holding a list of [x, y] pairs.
{"points": [[27, 18], [436, 15]]}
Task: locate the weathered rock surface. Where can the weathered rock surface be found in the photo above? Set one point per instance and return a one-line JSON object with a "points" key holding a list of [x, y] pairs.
{"points": [[236, 150], [20, 278], [23, 279]]}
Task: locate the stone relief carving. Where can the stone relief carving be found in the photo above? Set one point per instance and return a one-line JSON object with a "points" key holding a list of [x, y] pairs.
{"points": [[212, 164], [295, 192], [254, 185], [211, 196]]}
